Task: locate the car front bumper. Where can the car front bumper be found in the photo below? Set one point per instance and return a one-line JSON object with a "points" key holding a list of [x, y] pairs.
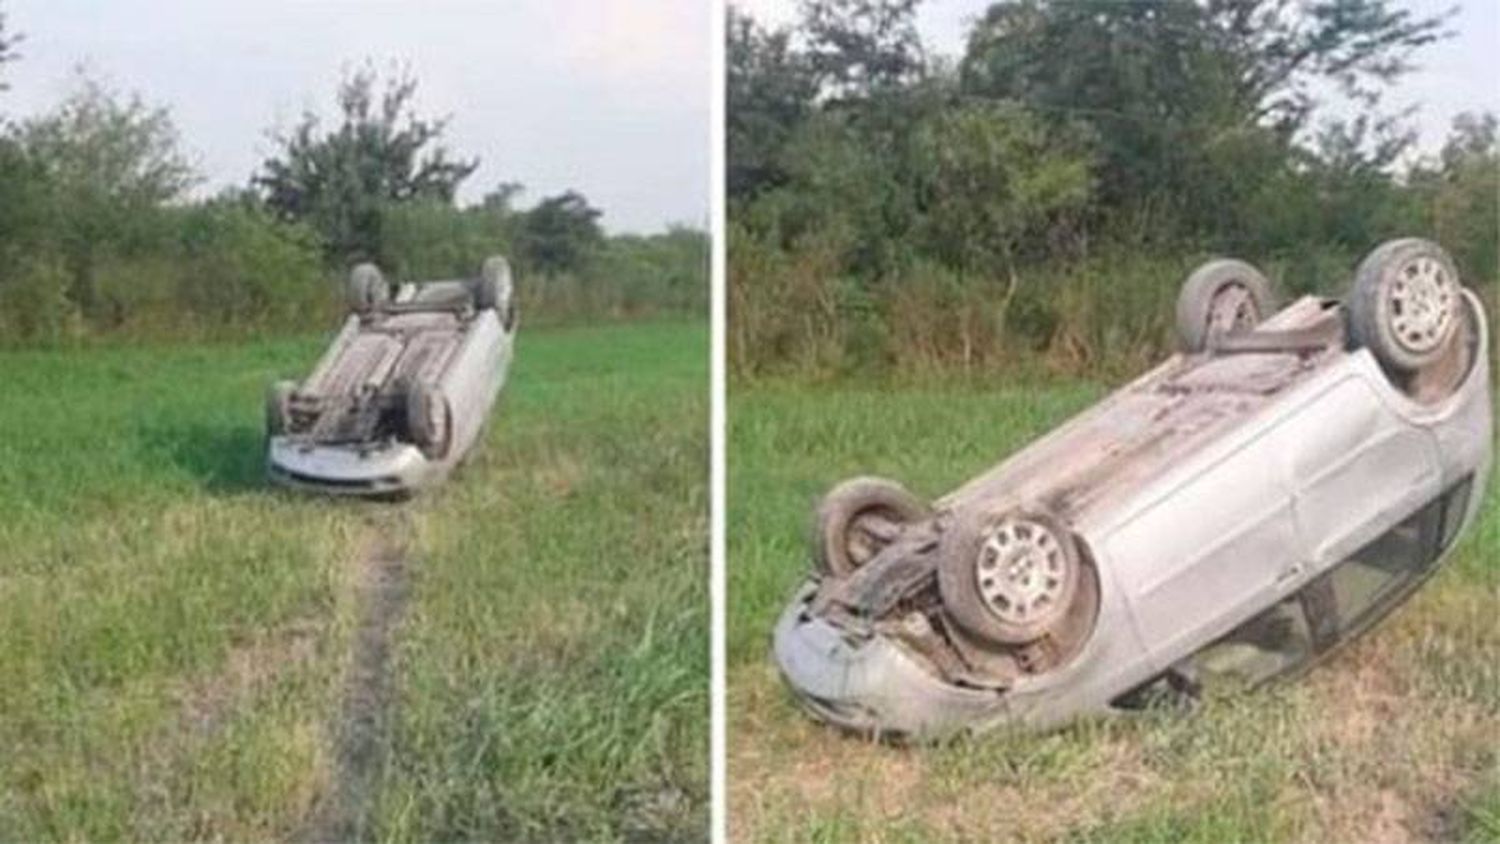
{"points": [[339, 470], [868, 684]]}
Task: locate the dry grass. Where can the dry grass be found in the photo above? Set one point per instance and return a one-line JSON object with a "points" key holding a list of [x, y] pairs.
{"points": [[1395, 739]]}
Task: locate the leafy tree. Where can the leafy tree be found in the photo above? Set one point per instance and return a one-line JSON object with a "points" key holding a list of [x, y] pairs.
{"points": [[115, 149], [8, 42], [1460, 192], [991, 177], [860, 48], [502, 200], [341, 180], [561, 234], [769, 91], [1185, 97], [106, 163]]}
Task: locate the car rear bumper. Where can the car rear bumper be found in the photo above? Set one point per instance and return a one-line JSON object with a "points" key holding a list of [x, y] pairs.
{"points": [[340, 470], [869, 684]]}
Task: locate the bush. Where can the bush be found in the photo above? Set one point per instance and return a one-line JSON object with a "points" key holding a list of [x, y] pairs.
{"points": [[217, 268], [33, 305], [666, 273], [785, 306], [238, 265], [423, 240]]}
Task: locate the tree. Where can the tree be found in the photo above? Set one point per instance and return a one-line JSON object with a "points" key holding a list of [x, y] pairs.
{"points": [[843, 54], [992, 177], [341, 180], [769, 91], [861, 48], [1459, 193], [1189, 100], [8, 44], [118, 150], [501, 201], [106, 162], [561, 234]]}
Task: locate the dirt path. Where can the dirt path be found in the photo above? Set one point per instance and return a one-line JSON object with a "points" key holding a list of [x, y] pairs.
{"points": [[360, 737]]}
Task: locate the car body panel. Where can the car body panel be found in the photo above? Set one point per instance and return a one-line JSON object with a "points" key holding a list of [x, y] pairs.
{"points": [[1206, 492], [432, 334]]}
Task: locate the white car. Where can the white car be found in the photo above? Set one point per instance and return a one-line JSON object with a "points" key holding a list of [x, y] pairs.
{"points": [[1231, 516], [403, 392]]}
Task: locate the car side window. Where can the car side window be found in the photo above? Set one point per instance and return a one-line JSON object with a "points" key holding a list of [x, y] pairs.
{"points": [[1274, 642], [1367, 585], [1336, 605]]}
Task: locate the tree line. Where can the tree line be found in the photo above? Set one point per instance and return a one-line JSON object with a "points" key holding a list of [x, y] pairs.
{"points": [[1038, 198], [100, 231]]}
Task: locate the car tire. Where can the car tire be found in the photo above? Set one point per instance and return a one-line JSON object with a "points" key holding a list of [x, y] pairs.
{"points": [[278, 407], [1009, 579], [494, 289], [429, 419], [366, 289], [850, 519], [1223, 296], [1405, 305]]}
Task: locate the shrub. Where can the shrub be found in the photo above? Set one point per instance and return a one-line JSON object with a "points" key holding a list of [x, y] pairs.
{"points": [[33, 306]]}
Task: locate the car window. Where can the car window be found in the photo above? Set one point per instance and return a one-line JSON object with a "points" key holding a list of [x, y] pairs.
{"points": [[1273, 642], [1338, 604], [1375, 578], [1276, 641]]}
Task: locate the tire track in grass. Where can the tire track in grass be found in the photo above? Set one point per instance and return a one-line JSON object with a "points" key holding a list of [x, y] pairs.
{"points": [[382, 587]]}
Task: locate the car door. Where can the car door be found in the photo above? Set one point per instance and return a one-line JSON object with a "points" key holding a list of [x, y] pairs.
{"points": [[1210, 551], [1336, 606], [1357, 468]]}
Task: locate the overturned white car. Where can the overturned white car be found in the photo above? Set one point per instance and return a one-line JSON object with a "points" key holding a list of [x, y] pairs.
{"points": [[404, 391], [1229, 517]]}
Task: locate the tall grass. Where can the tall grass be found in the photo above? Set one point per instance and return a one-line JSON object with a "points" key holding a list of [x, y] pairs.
{"points": [[224, 271], [553, 673], [1392, 740], [175, 635], [1108, 313]]}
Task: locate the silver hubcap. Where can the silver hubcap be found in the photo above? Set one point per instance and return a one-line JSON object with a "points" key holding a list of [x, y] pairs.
{"points": [[1022, 572], [1420, 304], [1231, 310]]}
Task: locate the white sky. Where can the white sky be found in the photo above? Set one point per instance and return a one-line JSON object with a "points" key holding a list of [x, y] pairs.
{"points": [[1458, 75], [610, 98]]}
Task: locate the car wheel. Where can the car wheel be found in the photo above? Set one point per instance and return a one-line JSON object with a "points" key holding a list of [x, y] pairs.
{"points": [[493, 288], [366, 289], [429, 420], [1405, 305], [1009, 579], [278, 407], [1221, 297], [859, 517]]}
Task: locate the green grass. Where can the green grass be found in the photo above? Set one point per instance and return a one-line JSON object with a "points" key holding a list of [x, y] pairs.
{"points": [[1396, 738], [174, 635], [554, 681]]}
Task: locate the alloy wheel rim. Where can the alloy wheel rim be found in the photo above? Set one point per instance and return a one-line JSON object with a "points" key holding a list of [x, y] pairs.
{"points": [[1420, 305], [1022, 572]]}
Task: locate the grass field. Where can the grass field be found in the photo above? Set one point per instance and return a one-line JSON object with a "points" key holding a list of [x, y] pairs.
{"points": [[178, 643], [1396, 739]]}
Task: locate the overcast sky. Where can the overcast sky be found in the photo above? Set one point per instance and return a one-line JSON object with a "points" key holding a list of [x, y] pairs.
{"points": [[1462, 74], [604, 96]]}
